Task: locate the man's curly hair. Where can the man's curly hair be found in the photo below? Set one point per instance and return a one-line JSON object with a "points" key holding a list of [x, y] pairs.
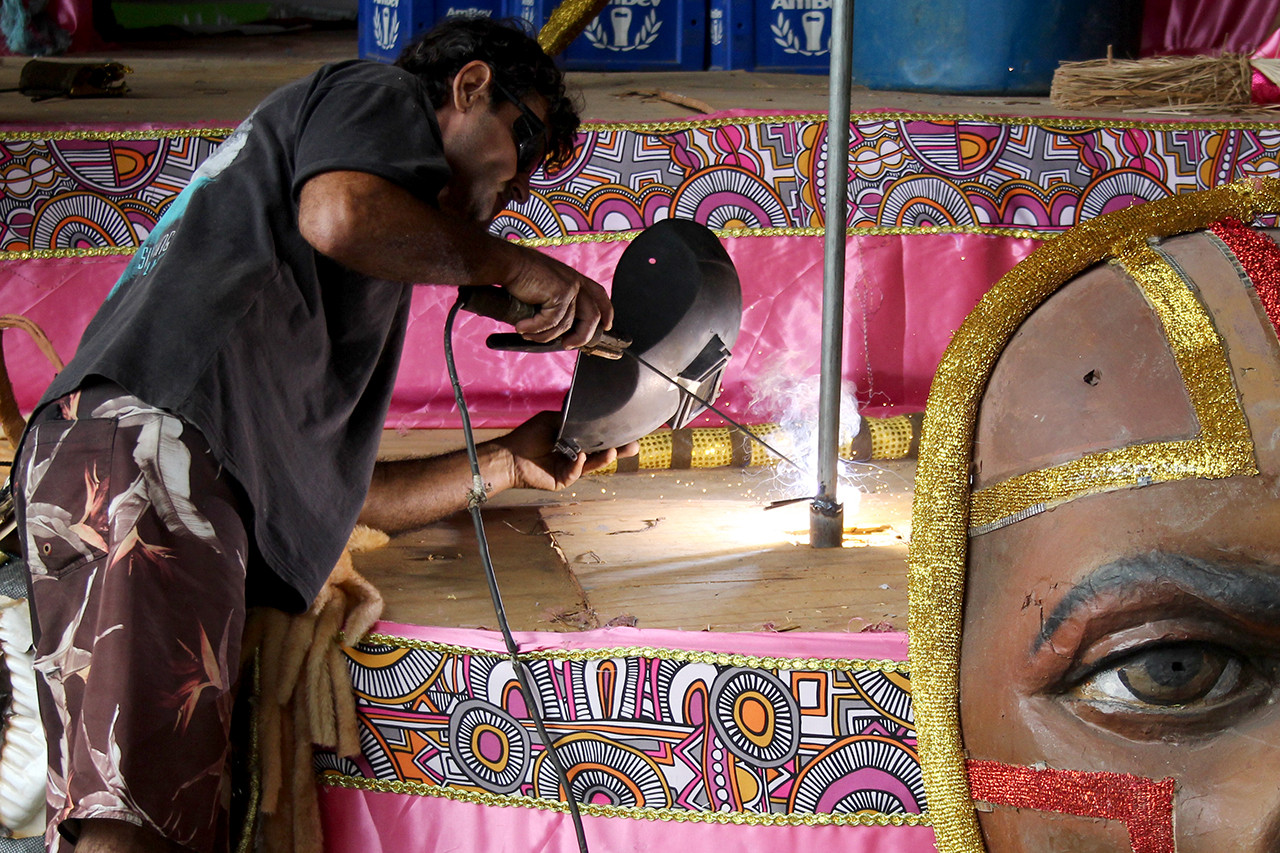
{"points": [[517, 61]]}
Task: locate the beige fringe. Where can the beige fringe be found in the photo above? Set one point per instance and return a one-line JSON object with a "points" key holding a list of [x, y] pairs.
{"points": [[305, 697]]}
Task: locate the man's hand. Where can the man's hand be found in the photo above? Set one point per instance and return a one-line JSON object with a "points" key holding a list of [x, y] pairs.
{"points": [[569, 303], [406, 494], [535, 464]]}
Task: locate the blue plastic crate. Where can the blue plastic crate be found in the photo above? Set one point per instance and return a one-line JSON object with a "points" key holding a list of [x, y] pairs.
{"points": [[632, 35], [730, 35], [386, 26], [793, 35]]}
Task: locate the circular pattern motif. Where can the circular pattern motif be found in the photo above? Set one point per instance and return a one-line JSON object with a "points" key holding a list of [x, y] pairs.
{"points": [[389, 674], [490, 745], [889, 693], [858, 774], [1118, 190], [81, 220], [528, 220], [111, 166], [956, 149], [602, 772], [726, 197], [756, 716], [926, 201]]}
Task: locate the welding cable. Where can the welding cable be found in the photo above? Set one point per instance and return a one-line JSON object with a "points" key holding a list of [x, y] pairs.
{"points": [[475, 498]]}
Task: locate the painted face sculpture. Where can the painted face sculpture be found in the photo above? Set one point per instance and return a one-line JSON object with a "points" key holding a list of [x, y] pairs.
{"points": [[1095, 556]]}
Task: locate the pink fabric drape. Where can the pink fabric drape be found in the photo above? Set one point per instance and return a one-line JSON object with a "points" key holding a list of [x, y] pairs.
{"points": [[374, 822], [905, 295], [1206, 26]]}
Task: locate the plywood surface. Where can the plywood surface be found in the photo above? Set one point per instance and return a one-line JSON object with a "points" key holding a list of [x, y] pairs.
{"points": [[690, 550]]}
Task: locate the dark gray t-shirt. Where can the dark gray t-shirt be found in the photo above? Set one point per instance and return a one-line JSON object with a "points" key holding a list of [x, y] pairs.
{"points": [[281, 357]]}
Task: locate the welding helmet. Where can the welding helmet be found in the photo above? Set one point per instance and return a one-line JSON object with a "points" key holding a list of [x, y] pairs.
{"points": [[676, 296]]}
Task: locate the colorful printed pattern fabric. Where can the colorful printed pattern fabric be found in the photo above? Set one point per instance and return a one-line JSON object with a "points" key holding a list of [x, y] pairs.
{"points": [[693, 735], [137, 554], [95, 192]]}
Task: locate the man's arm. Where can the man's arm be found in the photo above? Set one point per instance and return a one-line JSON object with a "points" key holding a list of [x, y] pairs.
{"points": [[378, 228], [411, 493]]}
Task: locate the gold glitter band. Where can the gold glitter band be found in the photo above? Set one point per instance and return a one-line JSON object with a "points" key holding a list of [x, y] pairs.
{"points": [[1224, 447], [652, 653], [719, 447], [566, 22], [618, 237], [940, 513], [675, 815], [1066, 125], [116, 135], [890, 437]]}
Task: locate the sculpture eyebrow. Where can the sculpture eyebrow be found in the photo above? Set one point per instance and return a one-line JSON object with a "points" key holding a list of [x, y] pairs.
{"points": [[1249, 590]]}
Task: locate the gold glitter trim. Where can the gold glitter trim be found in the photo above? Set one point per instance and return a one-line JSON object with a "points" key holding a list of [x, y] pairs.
{"points": [[675, 815], [115, 135], [566, 22], [1224, 447], [726, 233], [680, 655], [1066, 125], [49, 254], [940, 512], [890, 437], [617, 237]]}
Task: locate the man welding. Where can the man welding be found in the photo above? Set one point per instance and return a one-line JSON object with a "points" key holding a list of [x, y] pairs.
{"points": [[211, 444]]}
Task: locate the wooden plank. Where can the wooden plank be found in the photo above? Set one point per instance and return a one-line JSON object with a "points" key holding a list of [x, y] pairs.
{"points": [[434, 576], [695, 550]]}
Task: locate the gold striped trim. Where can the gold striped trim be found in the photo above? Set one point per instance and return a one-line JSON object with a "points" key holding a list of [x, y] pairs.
{"points": [[681, 655], [674, 815], [675, 126], [1047, 122], [112, 135], [616, 237], [1224, 447]]}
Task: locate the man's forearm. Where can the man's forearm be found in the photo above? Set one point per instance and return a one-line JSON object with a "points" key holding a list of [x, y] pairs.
{"points": [[407, 494], [378, 228]]}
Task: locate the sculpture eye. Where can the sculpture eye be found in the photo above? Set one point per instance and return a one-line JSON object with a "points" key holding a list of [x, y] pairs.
{"points": [[1183, 680]]}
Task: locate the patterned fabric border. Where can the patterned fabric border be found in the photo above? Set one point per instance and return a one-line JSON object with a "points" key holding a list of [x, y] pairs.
{"points": [[644, 733], [73, 192]]}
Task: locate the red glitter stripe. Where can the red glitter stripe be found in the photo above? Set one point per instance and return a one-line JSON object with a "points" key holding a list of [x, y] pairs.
{"points": [[1259, 255], [1144, 805]]}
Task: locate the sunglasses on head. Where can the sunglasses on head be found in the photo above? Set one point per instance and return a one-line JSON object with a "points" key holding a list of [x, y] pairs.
{"points": [[529, 132]]}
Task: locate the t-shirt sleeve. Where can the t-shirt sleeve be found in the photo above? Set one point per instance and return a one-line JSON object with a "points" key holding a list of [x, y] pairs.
{"points": [[383, 127]]}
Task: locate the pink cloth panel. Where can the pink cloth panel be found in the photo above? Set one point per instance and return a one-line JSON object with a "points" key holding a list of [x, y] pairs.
{"points": [[60, 295], [1206, 26], [904, 297], [373, 822]]}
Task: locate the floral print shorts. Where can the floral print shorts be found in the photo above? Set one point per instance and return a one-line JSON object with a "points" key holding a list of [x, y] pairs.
{"points": [[136, 546]]}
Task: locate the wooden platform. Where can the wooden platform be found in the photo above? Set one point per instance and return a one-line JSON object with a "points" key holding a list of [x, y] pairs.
{"points": [[692, 550]]}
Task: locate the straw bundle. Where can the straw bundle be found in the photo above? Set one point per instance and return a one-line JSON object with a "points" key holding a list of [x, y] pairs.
{"points": [[1185, 82]]}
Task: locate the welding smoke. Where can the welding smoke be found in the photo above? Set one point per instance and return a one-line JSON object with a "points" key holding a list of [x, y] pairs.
{"points": [[793, 404]]}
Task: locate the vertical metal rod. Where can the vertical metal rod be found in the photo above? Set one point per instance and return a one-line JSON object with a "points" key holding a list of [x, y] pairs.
{"points": [[826, 516]]}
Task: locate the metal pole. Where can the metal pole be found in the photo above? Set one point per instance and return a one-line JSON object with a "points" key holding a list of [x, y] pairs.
{"points": [[826, 516]]}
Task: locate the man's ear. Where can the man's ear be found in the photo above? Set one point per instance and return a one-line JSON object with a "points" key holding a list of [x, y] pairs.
{"points": [[471, 85]]}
